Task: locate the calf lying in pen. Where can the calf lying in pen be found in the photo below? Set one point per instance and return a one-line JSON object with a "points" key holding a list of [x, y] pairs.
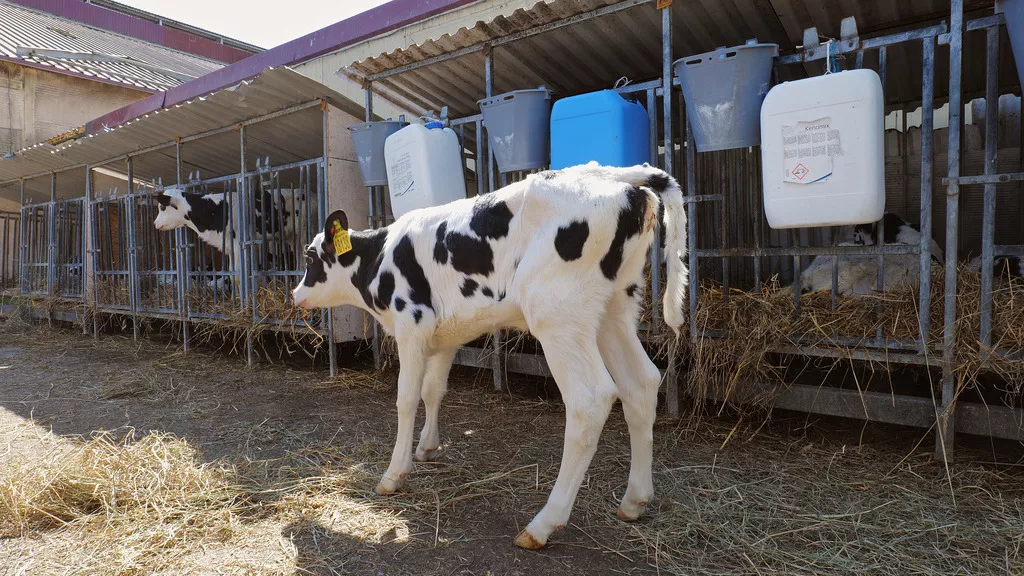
{"points": [[858, 274], [560, 254], [1004, 267]]}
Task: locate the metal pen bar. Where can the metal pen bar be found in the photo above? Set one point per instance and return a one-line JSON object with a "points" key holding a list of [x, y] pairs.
{"points": [[373, 192], [988, 223], [880, 240], [819, 53], [323, 191], [945, 423], [886, 249], [927, 138]]}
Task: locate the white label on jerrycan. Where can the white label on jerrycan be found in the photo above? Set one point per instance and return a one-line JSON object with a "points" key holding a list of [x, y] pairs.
{"points": [[402, 178], [807, 151]]}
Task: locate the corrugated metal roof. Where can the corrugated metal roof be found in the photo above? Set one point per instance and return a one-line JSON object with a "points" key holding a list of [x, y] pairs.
{"points": [[592, 54], [67, 47], [297, 137]]}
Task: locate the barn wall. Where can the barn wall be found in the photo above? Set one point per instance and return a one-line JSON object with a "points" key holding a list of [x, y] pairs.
{"points": [[347, 193], [36, 105]]}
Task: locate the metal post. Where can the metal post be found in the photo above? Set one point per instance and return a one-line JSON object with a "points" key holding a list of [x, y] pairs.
{"points": [[988, 223], [374, 191], [945, 417], [51, 254], [655, 287], [22, 240], [671, 376], [324, 193], [927, 136], [133, 265], [880, 240], [88, 275], [181, 241], [497, 363], [242, 267], [489, 91]]}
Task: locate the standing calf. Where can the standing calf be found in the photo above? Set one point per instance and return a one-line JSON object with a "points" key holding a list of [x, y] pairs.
{"points": [[560, 254]]}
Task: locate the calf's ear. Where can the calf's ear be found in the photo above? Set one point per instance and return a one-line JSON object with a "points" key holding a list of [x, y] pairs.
{"points": [[337, 223], [338, 218]]}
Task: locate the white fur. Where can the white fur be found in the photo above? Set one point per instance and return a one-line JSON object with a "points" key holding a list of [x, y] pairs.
{"points": [[586, 323], [858, 274]]}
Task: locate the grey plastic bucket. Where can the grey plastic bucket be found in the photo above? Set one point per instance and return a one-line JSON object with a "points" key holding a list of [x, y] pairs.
{"points": [[1013, 12], [518, 126], [368, 139], [723, 90]]}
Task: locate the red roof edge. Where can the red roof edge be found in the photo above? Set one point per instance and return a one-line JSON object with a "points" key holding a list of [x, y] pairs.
{"points": [[131, 26], [384, 18]]}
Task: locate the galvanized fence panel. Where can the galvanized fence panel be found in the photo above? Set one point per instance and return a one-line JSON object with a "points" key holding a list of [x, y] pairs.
{"points": [[10, 249], [35, 249]]}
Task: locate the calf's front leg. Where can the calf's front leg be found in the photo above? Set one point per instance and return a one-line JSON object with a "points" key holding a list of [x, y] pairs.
{"points": [[412, 359]]}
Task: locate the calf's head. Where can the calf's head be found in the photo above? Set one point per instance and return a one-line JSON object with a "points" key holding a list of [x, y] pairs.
{"points": [[338, 261], [174, 210]]}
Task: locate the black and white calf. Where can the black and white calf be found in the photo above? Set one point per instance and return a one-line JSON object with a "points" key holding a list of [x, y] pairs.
{"points": [[560, 254], [207, 216], [858, 274], [1003, 267]]}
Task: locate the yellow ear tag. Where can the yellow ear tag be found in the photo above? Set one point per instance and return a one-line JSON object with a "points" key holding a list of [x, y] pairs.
{"points": [[342, 243]]}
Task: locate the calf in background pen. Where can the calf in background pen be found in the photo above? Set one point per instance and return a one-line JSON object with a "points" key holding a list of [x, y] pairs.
{"points": [[1004, 267], [858, 274], [560, 254], [207, 216]]}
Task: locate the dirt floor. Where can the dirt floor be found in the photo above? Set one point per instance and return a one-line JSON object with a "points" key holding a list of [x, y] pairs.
{"points": [[207, 467]]}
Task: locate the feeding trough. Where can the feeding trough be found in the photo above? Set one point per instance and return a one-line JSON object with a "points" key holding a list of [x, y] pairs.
{"points": [[723, 90], [368, 139], [517, 128]]}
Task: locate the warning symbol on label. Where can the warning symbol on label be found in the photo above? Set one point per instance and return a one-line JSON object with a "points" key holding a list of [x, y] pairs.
{"points": [[800, 171]]}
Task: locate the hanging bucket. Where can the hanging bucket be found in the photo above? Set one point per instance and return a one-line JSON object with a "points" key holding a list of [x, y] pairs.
{"points": [[368, 139], [518, 125], [1013, 12], [723, 90]]}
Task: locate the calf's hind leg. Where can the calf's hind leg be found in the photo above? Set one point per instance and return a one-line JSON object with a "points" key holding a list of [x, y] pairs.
{"points": [[588, 393], [435, 384], [636, 380]]}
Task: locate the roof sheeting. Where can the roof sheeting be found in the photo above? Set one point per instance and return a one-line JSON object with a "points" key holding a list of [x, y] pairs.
{"points": [[64, 46], [625, 40], [298, 138]]}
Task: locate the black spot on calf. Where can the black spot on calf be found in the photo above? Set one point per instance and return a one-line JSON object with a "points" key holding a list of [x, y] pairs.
{"points": [[368, 247], [570, 239], [417, 315], [399, 304], [408, 266], [658, 182], [630, 223], [316, 270], [440, 252], [491, 217], [631, 290], [470, 255], [385, 290], [469, 287], [206, 214], [487, 292]]}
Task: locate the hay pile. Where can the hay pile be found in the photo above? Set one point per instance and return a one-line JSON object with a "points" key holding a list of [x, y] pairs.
{"points": [[760, 325], [151, 495]]}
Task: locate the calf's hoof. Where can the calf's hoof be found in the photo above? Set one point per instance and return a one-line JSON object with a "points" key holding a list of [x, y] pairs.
{"points": [[526, 541], [629, 512], [388, 486], [431, 455]]}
